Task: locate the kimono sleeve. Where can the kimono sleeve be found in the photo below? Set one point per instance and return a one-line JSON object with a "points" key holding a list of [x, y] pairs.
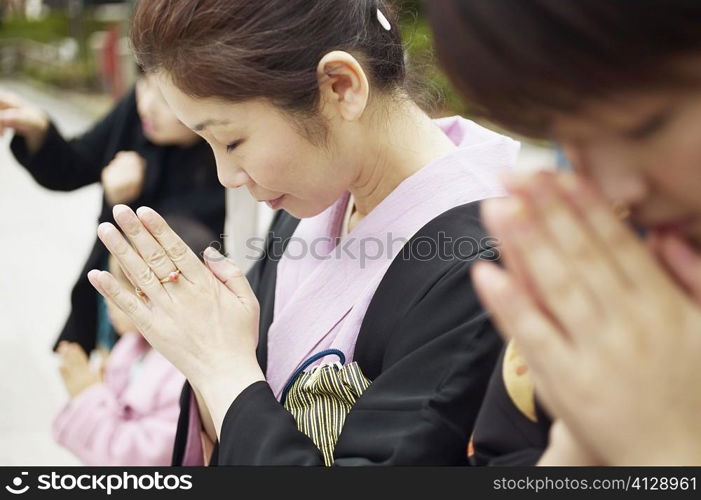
{"points": [[504, 434], [65, 165]]}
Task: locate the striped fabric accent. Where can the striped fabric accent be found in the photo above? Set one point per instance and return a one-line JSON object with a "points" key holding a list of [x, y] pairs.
{"points": [[320, 399]]}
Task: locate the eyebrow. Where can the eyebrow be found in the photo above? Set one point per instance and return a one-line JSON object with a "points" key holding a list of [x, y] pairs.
{"points": [[207, 123]]}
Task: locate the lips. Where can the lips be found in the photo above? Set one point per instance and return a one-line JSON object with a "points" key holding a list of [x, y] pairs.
{"points": [[147, 126], [275, 204], [682, 225]]}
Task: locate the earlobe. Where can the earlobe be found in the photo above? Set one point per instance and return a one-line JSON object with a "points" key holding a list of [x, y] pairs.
{"points": [[343, 85]]}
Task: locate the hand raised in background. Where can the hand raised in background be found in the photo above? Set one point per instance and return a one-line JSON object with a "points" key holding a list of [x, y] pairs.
{"points": [[24, 118], [123, 178]]}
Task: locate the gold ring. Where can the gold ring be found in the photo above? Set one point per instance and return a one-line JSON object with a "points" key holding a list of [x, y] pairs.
{"points": [[172, 278]]}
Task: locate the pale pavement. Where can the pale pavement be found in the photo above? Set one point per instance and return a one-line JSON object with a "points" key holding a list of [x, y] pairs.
{"points": [[46, 238]]}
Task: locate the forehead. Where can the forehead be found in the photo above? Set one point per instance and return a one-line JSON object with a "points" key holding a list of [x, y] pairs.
{"points": [[614, 114], [188, 109]]}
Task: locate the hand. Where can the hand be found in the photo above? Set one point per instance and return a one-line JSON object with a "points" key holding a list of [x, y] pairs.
{"points": [[24, 118], [75, 369], [123, 178], [612, 342], [205, 323], [564, 450], [681, 261]]}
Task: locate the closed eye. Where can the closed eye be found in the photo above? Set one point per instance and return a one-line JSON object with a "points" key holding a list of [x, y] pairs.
{"points": [[652, 125], [232, 146]]}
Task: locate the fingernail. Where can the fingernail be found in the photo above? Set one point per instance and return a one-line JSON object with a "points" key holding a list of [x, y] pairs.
{"points": [[211, 251], [490, 279], [211, 254], [144, 211]]}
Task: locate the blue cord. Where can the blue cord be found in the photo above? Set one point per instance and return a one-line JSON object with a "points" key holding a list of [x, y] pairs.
{"points": [[305, 365]]}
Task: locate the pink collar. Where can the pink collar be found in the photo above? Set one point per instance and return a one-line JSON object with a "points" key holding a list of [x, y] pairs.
{"points": [[324, 285]]}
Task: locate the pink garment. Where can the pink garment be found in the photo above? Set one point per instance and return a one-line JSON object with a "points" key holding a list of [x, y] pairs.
{"points": [[130, 418], [322, 297]]}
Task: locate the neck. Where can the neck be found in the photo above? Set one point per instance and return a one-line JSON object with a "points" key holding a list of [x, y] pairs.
{"points": [[402, 147]]}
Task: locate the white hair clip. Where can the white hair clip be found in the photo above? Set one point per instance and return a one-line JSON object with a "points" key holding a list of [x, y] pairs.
{"points": [[383, 20]]}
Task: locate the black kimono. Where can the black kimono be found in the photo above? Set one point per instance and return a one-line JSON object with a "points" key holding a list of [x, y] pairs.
{"points": [[177, 180], [425, 342], [512, 428]]}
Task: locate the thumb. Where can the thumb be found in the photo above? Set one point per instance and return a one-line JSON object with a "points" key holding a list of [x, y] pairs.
{"points": [[17, 119], [683, 262], [8, 100], [230, 275]]}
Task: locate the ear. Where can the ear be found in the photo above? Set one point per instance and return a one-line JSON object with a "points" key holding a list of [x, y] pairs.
{"points": [[343, 85]]}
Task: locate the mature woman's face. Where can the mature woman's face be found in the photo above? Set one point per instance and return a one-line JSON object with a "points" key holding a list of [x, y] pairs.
{"points": [[259, 147], [643, 150], [159, 123]]}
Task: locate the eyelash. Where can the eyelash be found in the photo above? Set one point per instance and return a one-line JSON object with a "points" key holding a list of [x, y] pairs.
{"points": [[652, 127], [232, 146]]}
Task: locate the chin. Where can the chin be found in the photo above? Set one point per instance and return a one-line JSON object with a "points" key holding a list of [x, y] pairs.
{"points": [[302, 211]]}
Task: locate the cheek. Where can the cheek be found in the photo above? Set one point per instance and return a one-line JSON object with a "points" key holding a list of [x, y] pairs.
{"points": [[173, 128], [677, 173]]}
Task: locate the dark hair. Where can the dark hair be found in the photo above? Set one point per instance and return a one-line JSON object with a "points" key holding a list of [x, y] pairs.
{"points": [[520, 61], [243, 49]]}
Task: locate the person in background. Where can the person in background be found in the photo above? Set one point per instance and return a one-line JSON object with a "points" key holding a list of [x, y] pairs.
{"points": [[606, 327], [141, 154], [126, 413]]}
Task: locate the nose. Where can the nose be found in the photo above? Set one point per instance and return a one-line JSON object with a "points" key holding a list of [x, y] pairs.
{"points": [[617, 171], [237, 180], [146, 103], [229, 175]]}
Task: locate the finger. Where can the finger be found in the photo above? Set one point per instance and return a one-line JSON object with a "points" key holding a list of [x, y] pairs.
{"points": [[683, 262], [625, 248], [131, 262], [71, 349], [229, 274], [179, 253], [517, 317], [144, 243], [570, 233], [8, 100], [73, 358], [94, 281], [18, 119], [135, 309], [552, 282], [77, 351], [10, 118], [507, 253]]}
